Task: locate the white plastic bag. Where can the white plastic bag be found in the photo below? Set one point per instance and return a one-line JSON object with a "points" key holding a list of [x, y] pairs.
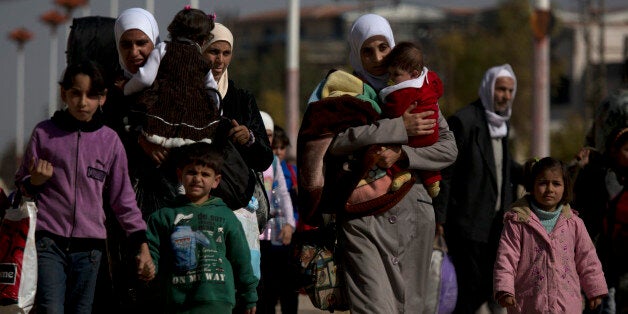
{"points": [[18, 259], [251, 231], [442, 286]]}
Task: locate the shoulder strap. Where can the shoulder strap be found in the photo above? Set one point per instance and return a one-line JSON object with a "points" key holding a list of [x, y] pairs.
{"points": [[293, 175], [275, 179]]}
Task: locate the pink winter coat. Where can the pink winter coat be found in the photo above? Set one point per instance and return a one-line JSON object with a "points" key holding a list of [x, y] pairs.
{"points": [[546, 271]]}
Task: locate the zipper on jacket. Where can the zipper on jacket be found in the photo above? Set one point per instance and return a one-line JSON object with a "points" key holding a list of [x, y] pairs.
{"points": [[78, 142]]}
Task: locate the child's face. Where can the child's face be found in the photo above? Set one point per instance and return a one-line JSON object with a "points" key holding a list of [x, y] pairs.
{"points": [[621, 156], [279, 149], [398, 75], [270, 135], [549, 188], [82, 103], [198, 181]]}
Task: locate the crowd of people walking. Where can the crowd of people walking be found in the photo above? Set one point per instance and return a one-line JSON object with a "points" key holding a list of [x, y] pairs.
{"points": [[126, 179]]}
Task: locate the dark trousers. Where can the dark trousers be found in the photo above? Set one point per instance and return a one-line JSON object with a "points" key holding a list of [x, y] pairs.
{"points": [[474, 263], [279, 280]]}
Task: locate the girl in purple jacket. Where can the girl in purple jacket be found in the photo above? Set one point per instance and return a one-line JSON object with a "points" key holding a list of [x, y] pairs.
{"points": [[71, 165], [545, 256]]}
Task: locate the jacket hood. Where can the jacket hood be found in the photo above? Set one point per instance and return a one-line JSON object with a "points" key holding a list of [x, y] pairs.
{"points": [[520, 210], [65, 121]]}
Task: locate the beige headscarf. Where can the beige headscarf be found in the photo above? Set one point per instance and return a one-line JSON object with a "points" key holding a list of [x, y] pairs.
{"points": [[222, 33]]}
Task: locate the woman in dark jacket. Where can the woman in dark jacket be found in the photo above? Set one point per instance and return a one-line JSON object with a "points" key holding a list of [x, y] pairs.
{"points": [[247, 132]]}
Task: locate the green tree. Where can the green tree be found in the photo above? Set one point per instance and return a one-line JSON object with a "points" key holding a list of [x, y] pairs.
{"points": [[504, 36]]}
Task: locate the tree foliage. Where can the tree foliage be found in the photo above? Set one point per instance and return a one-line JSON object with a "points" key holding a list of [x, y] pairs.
{"points": [[503, 36]]}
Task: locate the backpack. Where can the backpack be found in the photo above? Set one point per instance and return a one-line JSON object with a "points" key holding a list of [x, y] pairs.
{"points": [[92, 38]]}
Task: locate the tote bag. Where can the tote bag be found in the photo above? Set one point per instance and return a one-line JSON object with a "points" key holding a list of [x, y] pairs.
{"points": [[18, 259]]}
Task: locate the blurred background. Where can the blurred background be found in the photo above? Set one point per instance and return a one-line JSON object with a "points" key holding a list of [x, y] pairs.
{"points": [[587, 41]]}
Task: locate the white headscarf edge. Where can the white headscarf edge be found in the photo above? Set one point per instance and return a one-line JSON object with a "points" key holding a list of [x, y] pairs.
{"points": [[365, 27], [135, 18], [496, 122]]}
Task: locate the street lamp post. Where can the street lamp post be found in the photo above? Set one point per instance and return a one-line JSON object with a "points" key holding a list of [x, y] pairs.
{"points": [[53, 19], [292, 75], [20, 36], [540, 21], [70, 6]]}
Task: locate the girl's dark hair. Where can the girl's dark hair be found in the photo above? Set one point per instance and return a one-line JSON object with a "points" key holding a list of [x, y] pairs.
{"points": [[192, 24], [405, 55], [201, 154], [280, 137], [534, 167], [89, 68]]}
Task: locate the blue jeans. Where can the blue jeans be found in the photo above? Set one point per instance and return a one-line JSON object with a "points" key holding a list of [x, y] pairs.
{"points": [[66, 280]]}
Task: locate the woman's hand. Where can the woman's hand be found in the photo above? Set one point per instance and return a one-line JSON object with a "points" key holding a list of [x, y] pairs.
{"points": [[286, 234], [416, 124], [145, 265], [156, 152], [40, 171], [239, 133], [388, 156]]}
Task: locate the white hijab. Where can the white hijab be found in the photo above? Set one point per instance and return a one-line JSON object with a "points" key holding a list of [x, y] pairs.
{"points": [[365, 27], [135, 18], [496, 122], [222, 33]]}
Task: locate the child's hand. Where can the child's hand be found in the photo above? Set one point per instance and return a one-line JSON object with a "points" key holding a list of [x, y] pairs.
{"points": [[239, 133], [388, 156], [286, 234], [251, 310], [156, 152], [145, 265], [40, 170], [506, 299], [120, 82], [595, 302], [582, 157]]}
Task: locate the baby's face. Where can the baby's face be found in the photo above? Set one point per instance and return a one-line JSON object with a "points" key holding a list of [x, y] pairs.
{"points": [[398, 75]]}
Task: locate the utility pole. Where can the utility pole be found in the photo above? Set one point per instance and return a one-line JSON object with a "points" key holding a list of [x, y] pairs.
{"points": [[541, 94], [602, 50], [20, 36], [292, 76], [53, 19]]}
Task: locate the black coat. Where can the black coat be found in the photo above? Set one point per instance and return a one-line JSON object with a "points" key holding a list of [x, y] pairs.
{"points": [[239, 104], [469, 188]]}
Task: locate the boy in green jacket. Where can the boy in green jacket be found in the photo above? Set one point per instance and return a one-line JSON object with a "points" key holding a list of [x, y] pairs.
{"points": [[198, 244]]}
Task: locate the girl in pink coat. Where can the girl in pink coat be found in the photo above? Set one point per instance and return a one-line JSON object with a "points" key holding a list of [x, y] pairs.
{"points": [[545, 254]]}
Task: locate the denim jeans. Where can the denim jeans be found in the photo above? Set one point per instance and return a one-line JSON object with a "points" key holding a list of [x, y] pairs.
{"points": [[66, 280]]}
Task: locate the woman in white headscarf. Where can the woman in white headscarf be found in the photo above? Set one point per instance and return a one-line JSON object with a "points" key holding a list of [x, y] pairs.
{"points": [[137, 34], [387, 255]]}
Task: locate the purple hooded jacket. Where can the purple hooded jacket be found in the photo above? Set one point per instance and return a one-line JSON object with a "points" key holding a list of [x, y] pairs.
{"points": [[89, 161]]}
